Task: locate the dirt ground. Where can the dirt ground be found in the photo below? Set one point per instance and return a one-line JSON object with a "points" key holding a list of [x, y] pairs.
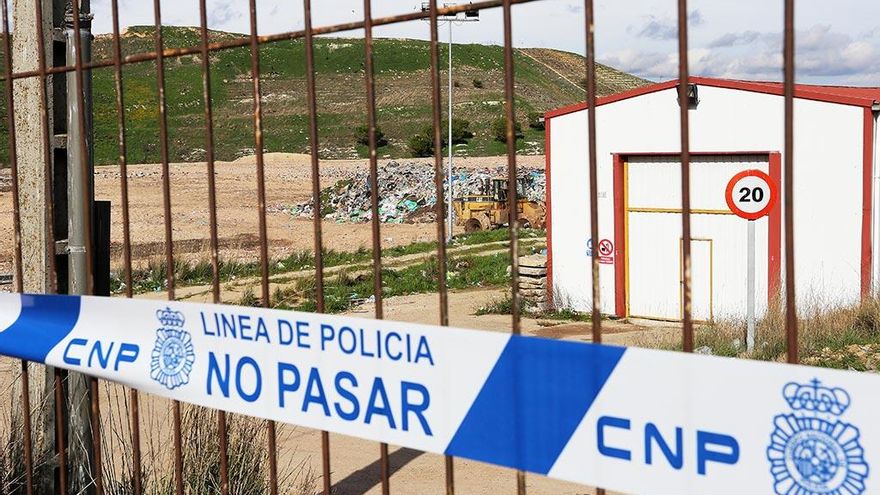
{"points": [[288, 182]]}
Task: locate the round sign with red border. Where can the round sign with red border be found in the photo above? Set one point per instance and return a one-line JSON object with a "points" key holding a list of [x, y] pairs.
{"points": [[751, 194]]}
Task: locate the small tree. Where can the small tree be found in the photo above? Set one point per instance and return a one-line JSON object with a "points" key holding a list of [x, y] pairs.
{"points": [[461, 132], [362, 135], [499, 130], [421, 144], [478, 83], [535, 121]]}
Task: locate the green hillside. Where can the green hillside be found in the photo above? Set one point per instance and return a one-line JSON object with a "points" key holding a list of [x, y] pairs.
{"points": [[545, 79]]}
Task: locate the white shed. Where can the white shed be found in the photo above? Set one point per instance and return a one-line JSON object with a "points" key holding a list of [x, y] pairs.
{"points": [[734, 126]]}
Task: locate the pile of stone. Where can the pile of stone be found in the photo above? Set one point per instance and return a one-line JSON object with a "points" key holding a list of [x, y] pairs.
{"points": [[533, 283], [407, 193]]}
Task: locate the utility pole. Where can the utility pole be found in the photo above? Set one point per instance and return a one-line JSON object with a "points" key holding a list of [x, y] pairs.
{"points": [[80, 205], [469, 16]]}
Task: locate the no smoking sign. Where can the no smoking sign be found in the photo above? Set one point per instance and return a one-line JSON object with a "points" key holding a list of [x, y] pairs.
{"points": [[751, 194], [605, 251]]}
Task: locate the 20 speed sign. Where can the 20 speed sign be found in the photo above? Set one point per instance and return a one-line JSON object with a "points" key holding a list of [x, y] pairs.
{"points": [[751, 194]]}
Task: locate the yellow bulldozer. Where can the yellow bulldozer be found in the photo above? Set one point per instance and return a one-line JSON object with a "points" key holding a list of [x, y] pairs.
{"points": [[488, 210]]}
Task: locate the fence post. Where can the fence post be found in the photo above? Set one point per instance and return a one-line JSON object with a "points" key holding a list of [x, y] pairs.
{"points": [[31, 152], [34, 188]]}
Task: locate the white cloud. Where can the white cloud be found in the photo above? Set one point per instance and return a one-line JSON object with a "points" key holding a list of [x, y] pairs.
{"points": [[664, 28], [820, 52], [735, 39]]}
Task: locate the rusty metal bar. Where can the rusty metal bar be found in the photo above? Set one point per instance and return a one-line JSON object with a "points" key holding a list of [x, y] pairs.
{"points": [[286, 36], [261, 198], [512, 220], [596, 318], [687, 320], [60, 433], [791, 324], [123, 153], [134, 413], [222, 429], [26, 426], [591, 145], [13, 152], [316, 216], [96, 435], [163, 150], [384, 470], [166, 207], [17, 261], [440, 207]]}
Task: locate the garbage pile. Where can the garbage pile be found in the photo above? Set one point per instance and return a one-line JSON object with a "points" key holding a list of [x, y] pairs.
{"points": [[407, 193]]}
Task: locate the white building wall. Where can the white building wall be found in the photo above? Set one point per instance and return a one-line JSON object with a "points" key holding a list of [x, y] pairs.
{"points": [[828, 180]]}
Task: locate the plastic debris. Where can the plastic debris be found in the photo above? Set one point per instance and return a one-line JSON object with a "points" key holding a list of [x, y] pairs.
{"points": [[407, 192]]}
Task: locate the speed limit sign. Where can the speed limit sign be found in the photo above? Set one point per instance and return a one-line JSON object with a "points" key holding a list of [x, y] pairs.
{"points": [[751, 194]]}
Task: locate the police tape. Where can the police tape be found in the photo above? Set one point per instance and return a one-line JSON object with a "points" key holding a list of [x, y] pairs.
{"points": [[633, 420]]}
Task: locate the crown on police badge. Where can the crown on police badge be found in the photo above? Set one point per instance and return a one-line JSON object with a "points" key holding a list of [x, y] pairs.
{"points": [[815, 398], [170, 318]]}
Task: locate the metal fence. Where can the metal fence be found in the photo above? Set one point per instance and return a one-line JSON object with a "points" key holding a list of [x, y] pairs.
{"points": [[254, 41]]}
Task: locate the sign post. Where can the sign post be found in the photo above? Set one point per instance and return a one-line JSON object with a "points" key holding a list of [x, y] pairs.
{"points": [[750, 288], [751, 194]]}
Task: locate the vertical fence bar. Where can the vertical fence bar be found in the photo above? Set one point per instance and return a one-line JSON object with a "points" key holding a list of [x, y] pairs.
{"points": [[60, 433], [137, 469], [596, 318], [17, 261], [261, 199], [166, 208], [791, 324], [374, 200], [316, 215], [591, 145], [687, 320], [512, 200], [439, 207], [223, 439], [87, 176]]}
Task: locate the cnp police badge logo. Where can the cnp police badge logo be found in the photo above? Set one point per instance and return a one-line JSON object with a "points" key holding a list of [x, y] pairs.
{"points": [[173, 356], [812, 452]]}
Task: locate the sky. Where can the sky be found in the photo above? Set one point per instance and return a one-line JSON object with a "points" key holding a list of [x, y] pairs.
{"points": [[837, 41]]}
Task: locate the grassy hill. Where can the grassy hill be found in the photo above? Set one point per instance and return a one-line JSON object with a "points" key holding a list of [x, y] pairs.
{"points": [[545, 79]]}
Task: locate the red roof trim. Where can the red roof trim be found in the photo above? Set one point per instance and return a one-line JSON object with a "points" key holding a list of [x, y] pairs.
{"points": [[604, 100], [830, 94]]}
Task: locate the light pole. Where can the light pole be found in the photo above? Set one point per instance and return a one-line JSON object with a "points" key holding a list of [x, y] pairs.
{"points": [[469, 16]]}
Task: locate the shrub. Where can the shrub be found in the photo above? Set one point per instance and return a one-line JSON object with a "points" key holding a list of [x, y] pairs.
{"points": [[478, 83], [461, 132], [362, 135], [499, 130], [536, 121], [421, 145]]}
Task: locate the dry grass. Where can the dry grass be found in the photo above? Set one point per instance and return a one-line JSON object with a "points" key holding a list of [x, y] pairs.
{"points": [[843, 337], [247, 455]]}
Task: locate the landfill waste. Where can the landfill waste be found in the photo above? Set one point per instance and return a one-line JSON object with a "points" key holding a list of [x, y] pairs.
{"points": [[407, 192]]}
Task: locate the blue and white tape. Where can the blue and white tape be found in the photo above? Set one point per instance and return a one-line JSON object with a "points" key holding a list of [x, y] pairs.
{"points": [[632, 420]]}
